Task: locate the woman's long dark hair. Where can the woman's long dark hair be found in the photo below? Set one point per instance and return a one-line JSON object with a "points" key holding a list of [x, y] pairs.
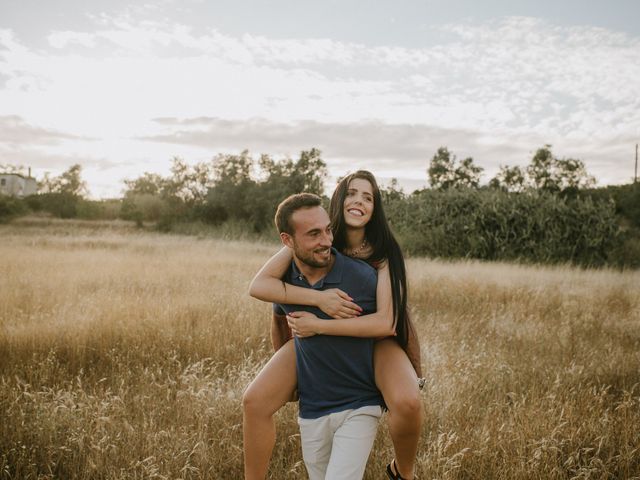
{"points": [[384, 244]]}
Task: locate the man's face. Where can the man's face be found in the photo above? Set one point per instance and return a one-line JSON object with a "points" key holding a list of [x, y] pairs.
{"points": [[312, 237]]}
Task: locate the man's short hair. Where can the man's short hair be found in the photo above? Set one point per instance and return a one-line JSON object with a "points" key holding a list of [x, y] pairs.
{"points": [[289, 205]]}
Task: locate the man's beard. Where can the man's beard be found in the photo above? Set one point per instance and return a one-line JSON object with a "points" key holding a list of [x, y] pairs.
{"points": [[308, 259]]}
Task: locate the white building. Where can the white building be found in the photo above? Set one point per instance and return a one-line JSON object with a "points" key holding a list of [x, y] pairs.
{"points": [[17, 185]]}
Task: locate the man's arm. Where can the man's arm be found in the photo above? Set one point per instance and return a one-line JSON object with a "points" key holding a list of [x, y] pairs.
{"points": [[280, 331]]}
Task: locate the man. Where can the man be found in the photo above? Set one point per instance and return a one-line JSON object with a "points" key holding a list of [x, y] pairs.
{"points": [[339, 402]]}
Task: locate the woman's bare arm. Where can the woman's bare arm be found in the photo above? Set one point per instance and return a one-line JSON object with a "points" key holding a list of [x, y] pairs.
{"points": [[268, 286], [378, 324]]}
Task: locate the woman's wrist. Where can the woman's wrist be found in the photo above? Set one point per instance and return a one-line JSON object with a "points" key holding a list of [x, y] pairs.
{"points": [[315, 297], [316, 327]]}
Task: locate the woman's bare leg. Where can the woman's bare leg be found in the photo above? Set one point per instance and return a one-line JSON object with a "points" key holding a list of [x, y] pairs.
{"points": [[397, 380], [266, 394]]}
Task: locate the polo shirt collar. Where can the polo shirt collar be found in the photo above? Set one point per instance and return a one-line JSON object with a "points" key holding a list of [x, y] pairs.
{"points": [[334, 275]]}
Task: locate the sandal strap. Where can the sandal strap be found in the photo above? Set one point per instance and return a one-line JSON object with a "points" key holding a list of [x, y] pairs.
{"points": [[390, 472]]}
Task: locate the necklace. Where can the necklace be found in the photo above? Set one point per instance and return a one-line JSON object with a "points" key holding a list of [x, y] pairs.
{"points": [[355, 252]]}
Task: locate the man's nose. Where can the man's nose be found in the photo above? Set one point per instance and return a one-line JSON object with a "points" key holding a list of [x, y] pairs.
{"points": [[327, 239]]}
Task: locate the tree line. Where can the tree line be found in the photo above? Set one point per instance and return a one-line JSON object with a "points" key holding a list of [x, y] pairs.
{"points": [[548, 211]]}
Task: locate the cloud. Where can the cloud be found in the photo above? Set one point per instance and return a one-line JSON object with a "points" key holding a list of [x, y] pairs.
{"points": [[517, 73], [372, 140], [407, 147], [43, 160], [14, 130], [494, 90], [391, 150], [66, 39]]}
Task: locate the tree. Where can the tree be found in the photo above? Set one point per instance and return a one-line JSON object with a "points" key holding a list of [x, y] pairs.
{"points": [[283, 178], [444, 172], [312, 170], [572, 175], [232, 190], [68, 183], [545, 173], [60, 195], [307, 174], [146, 184], [190, 183], [233, 169], [540, 172], [467, 175], [392, 193], [550, 174], [509, 179]]}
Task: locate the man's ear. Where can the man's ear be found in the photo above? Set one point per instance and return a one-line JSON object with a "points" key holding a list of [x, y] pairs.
{"points": [[287, 240]]}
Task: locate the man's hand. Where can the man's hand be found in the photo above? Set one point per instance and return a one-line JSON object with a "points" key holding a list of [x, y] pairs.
{"points": [[337, 304], [303, 324]]}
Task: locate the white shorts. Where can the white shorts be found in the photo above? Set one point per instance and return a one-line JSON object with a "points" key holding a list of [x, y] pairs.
{"points": [[337, 446]]}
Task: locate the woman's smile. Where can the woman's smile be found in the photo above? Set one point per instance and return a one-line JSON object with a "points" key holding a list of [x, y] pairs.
{"points": [[358, 204]]}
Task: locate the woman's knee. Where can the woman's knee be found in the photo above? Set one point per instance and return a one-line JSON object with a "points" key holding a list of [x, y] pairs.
{"points": [[406, 405], [253, 401]]}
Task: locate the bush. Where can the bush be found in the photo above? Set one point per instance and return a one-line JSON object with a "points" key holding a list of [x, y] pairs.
{"points": [[496, 225], [62, 205], [143, 207], [11, 207], [89, 210], [111, 208], [211, 213], [627, 251], [626, 198]]}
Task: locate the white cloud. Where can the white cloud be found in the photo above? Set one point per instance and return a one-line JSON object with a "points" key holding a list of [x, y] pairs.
{"points": [[65, 39], [517, 81], [15, 131]]}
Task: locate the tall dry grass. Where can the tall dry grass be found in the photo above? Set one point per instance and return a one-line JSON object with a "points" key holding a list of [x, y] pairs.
{"points": [[125, 354]]}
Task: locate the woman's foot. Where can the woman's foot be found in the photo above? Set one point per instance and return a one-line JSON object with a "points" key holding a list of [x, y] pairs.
{"points": [[393, 473]]}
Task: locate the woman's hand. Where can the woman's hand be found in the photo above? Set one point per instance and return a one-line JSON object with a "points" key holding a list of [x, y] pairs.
{"points": [[337, 304], [303, 324]]}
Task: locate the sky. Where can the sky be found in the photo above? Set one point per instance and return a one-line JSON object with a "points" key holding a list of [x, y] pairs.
{"points": [[122, 87]]}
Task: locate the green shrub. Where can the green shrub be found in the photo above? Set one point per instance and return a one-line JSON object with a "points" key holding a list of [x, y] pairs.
{"points": [[89, 210], [627, 251], [626, 198], [61, 205], [11, 207], [144, 207], [496, 225]]}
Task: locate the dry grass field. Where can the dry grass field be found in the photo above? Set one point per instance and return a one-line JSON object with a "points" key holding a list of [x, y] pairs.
{"points": [[124, 354]]}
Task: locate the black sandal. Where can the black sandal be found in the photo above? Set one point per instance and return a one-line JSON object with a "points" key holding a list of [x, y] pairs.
{"points": [[391, 474]]}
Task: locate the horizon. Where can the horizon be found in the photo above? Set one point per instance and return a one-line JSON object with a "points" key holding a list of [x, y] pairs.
{"points": [[25, 172]]}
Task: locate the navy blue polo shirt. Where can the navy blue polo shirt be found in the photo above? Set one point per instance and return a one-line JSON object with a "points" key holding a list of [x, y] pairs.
{"points": [[335, 373]]}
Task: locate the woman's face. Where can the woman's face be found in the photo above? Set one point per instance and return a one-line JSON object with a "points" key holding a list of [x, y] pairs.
{"points": [[358, 204]]}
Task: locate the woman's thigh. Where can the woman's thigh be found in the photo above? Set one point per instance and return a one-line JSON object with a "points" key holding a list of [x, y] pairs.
{"points": [[395, 376], [275, 384]]}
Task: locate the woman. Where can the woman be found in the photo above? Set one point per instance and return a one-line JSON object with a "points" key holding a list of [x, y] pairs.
{"points": [[360, 230]]}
